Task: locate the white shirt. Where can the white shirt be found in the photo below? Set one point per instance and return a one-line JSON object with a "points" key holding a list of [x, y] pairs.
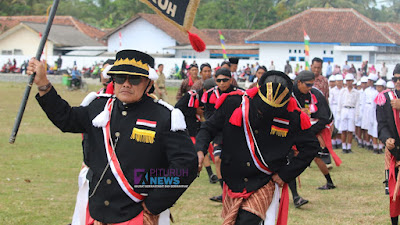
{"points": [[349, 98], [334, 96], [370, 94]]}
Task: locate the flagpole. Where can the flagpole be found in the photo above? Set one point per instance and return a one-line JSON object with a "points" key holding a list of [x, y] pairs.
{"points": [[32, 77]]}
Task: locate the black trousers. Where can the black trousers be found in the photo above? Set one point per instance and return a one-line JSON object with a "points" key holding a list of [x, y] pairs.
{"points": [[247, 218]]}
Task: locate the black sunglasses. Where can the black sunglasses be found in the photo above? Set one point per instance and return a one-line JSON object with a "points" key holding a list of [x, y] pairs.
{"points": [[395, 79], [309, 84], [222, 80], [133, 80]]}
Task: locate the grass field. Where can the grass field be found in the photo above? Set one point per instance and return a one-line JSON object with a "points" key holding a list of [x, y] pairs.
{"points": [[38, 176]]}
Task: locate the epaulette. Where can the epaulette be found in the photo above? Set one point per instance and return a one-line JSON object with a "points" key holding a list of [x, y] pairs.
{"points": [[92, 96], [250, 92], [194, 99], [177, 117], [304, 118], [205, 94]]}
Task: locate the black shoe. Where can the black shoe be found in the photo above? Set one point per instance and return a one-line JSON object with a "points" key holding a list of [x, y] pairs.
{"points": [[327, 186], [213, 179], [299, 201], [344, 151], [349, 151], [378, 151], [216, 198]]}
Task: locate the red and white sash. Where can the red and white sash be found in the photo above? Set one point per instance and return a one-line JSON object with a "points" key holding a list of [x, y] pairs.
{"points": [[250, 140], [114, 163]]}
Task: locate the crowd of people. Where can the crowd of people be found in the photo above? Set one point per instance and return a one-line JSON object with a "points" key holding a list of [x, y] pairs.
{"points": [[259, 139]]}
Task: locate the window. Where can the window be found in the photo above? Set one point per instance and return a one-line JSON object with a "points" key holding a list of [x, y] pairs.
{"points": [[331, 52], [17, 52], [324, 52], [290, 50], [295, 51], [6, 52], [299, 50], [354, 58], [327, 59], [301, 59], [292, 58]]}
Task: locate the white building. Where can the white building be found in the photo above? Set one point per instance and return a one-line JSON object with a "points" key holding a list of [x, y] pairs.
{"points": [[336, 35]]}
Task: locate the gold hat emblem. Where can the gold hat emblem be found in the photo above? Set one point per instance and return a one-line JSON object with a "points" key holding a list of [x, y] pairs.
{"points": [[271, 98], [132, 62]]}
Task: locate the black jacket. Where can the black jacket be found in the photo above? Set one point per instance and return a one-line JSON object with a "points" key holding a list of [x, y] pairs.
{"points": [[387, 126], [192, 122], [209, 106], [323, 113], [237, 167], [172, 150]]}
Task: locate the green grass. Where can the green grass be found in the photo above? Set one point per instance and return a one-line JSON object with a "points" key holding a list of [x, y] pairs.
{"points": [[38, 176]]}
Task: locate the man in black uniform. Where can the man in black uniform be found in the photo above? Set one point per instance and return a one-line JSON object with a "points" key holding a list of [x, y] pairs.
{"points": [[311, 101], [387, 115], [259, 128], [193, 110], [132, 139], [224, 80]]}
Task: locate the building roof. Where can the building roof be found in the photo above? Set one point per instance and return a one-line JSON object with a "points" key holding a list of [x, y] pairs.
{"points": [[324, 25], [7, 22], [392, 30], [180, 37], [62, 35], [233, 37]]}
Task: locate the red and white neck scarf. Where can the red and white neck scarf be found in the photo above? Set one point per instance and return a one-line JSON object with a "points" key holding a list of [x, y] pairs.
{"points": [[113, 160]]}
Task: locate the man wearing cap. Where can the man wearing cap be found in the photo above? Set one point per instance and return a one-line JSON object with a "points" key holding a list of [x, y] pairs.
{"points": [[259, 128], [311, 101], [187, 83], [360, 110], [234, 65], [130, 135], [369, 123], [332, 83], [193, 109], [228, 65], [387, 113], [348, 106], [380, 85], [334, 98], [210, 97]]}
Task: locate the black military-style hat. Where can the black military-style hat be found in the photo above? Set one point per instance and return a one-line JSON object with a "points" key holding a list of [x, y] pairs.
{"points": [[225, 63], [275, 88], [132, 62], [223, 71], [396, 69], [234, 60]]}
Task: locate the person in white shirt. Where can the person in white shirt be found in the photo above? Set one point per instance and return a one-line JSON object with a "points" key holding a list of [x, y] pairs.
{"points": [[272, 66], [369, 123], [334, 96], [380, 86], [348, 104], [359, 112], [384, 71], [332, 83]]}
